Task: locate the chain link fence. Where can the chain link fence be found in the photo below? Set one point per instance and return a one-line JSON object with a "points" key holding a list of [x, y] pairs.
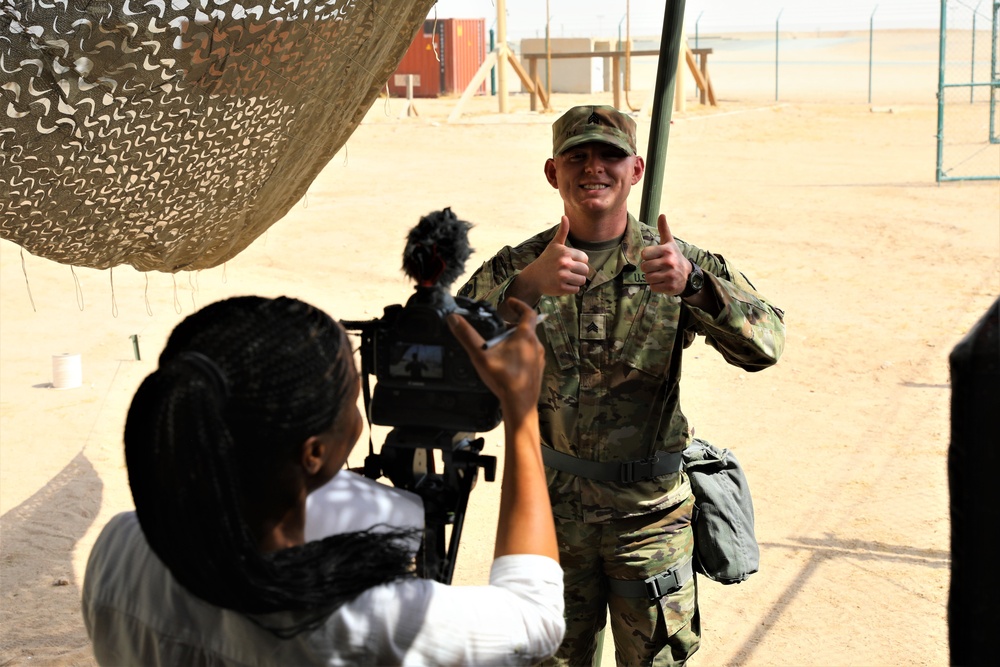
{"points": [[968, 137]]}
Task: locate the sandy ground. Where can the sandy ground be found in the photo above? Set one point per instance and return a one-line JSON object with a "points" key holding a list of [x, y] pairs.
{"points": [[831, 208]]}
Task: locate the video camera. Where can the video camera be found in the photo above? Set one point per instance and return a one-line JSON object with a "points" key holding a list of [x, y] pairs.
{"points": [[425, 378], [427, 388]]}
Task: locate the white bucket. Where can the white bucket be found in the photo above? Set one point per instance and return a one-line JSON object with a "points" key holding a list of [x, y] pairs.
{"points": [[67, 371]]}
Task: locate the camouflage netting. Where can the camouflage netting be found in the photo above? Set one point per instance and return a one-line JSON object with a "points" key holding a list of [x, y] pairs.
{"points": [[169, 134]]}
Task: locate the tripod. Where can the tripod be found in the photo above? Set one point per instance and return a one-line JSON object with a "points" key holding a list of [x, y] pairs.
{"points": [[407, 459]]}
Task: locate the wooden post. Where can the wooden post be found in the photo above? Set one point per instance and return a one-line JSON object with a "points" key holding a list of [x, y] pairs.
{"points": [[533, 73], [703, 62], [477, 80], [408, 108], [699, 70], [548, 52], [680, 101], [502, 54], [616, 74]]}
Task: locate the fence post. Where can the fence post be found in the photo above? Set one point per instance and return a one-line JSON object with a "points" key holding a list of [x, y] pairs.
{"points": [[493, 72], [939, 174], [972, 61], [871, 35], [776, 21]]}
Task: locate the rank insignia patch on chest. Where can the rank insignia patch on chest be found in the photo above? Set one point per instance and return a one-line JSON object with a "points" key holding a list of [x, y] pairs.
{"points": [[593, 326]]}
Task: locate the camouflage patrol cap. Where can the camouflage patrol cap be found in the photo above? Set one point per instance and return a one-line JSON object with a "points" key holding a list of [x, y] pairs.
{"points": [[583, 124]]}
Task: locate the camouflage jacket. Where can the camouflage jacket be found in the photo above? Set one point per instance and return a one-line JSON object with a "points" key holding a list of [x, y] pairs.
{"points": [[610, 391]]}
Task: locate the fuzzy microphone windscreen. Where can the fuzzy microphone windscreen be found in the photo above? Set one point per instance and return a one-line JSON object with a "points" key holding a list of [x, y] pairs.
{"points": [[436, 249]]}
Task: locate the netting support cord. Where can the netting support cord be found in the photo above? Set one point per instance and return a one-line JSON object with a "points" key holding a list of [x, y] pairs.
{"points": [[177, 300], [78, 289], [145, 296], [114, 299], [195, 286], [27, 285]]}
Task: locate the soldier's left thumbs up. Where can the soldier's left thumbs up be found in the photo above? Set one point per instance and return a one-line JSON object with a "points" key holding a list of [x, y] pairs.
{"points": [[665, 235], [665, 267]]}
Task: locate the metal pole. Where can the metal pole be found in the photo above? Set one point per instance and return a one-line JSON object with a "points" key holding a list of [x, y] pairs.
{"points": [[659, 132], [993, 74], [940, 119], [628, 48], [616, 67], [871, 33], [548, 53], [493, 71], [663, 104], [972, 62], [776, 22], [696, 29]]}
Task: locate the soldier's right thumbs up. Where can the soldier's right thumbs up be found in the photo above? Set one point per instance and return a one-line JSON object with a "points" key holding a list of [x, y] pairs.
{"points": [[559, 269]]}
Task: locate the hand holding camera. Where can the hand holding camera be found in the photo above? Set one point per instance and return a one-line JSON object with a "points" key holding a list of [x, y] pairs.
{"points": [[512, 370]]}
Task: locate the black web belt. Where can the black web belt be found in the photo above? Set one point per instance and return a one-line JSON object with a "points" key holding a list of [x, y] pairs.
{"points": [[625, 472], [656, 586]]}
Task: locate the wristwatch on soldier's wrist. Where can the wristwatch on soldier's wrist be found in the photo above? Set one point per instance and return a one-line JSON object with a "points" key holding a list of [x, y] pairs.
{"points": [[696, 280]]}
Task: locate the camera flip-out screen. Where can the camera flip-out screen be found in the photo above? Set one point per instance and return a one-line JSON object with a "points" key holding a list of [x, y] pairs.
{"points": [[414, 361]]}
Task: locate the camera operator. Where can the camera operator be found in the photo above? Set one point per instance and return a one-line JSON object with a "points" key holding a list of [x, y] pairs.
{"points": [[253, 406]]}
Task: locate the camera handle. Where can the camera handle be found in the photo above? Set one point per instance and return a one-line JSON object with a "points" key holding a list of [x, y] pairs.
{"points": [[407, 459]]}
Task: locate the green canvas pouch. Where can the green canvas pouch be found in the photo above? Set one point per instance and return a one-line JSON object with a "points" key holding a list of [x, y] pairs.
{"points": [[725, 545]]}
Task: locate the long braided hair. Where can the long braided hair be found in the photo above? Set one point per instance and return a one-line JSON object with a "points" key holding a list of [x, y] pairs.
{"points": [[241, 384]]}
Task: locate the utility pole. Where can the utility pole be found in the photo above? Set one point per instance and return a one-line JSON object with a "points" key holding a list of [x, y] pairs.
{"points": [[502, 54]]}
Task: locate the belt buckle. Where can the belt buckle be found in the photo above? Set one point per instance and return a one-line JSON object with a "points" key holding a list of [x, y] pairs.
{"points": [[637, 471], [653, 584]]}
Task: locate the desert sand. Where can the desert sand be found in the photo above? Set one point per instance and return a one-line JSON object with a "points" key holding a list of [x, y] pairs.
{"points": [[827, 202]]}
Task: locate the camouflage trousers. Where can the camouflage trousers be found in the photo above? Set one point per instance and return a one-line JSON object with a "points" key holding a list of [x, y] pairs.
{"points": [[646, 632]]}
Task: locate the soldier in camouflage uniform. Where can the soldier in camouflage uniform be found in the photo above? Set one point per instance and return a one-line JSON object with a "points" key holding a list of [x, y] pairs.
{"points": [[622, 300]]}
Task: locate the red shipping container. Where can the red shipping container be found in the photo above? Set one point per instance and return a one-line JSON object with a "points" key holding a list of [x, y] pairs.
{"points": [[443, 58]]}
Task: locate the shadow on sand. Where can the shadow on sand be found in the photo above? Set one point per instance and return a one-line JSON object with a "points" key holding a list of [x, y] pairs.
{"points": [[37, 539]]}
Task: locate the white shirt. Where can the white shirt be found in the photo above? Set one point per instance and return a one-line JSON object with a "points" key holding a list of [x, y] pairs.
{"points": [[350, 502], [137, 614]]}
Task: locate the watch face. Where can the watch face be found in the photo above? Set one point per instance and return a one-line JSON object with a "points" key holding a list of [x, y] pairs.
{"points": [[695, 281]]}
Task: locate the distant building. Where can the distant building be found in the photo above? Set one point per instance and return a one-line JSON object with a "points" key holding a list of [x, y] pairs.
{"points": [[443, 58], [569, 75]]}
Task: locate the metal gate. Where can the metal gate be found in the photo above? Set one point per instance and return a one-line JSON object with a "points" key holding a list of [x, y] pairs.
{"points": [[968, 132]]}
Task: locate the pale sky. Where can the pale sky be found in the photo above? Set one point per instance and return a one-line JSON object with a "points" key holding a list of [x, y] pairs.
{"points": [[604, 18]]}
